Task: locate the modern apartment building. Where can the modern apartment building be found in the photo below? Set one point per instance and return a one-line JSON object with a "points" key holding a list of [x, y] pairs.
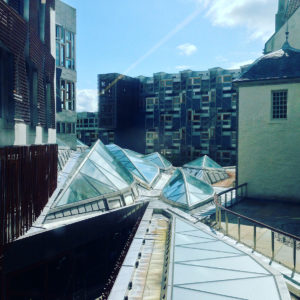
{"points": [[119, 114], [87, 128], [66, 73], [191, 114], [182, 116]]}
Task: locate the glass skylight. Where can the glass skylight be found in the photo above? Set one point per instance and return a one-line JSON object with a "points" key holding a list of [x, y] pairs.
{"points": [[146, 171], [159, 160], [99, 174], [187, 190], [203, 162]]}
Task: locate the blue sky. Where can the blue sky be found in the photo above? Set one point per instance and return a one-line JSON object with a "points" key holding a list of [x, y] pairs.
{"points": [[141, 37]]}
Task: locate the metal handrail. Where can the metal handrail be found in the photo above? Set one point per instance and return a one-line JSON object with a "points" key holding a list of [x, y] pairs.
{"points": [[252, 220], [255, 223]]}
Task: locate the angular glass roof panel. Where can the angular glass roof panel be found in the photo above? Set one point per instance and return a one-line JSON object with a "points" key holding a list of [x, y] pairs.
{"points": [[147, 169], [196, 191], [80, 189], [113, 164], [91, 170], [203, 162], [175, 189], [102, 188], [159, 160], [133, 153], [122, 157], [98, 174], [142, 168], [112, 175]]}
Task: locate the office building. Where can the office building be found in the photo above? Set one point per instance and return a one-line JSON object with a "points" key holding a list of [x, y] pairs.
{"points": [[87, 128], [119, 116], [66, 73]]}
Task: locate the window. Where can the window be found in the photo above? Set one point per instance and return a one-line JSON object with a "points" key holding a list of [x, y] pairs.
{"points": [[196, 117], [150, 102], [279, 104], [227, 78], [67, 95], [205, 98], [196, 81], [65, 45]]}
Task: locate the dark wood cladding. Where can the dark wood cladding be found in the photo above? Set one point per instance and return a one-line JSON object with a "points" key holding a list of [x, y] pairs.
{"points": [[18, 36], [28, 177]]}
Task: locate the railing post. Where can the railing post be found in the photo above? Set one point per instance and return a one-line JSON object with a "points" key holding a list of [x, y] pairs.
{"points": [[226, 221], [226, 200], [294, 253], [239, 229], [231, 198], [220, 217], [272, 241], [254, 237], [217, 207]]}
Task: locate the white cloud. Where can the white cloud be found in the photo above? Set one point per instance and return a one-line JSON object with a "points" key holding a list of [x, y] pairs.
{"points": [[87, 100], [237, 65], [187, 49], [182, 67], [256, 15]]}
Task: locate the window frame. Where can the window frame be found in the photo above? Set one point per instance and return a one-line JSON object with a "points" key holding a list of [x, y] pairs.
{"points": [[276, 119]]}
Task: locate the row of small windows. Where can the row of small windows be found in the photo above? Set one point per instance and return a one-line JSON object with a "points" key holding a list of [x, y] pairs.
{"points": [[91, 122], [65, 127], [65, 48]]}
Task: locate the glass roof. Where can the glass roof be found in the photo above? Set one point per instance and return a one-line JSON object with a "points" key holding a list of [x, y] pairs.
{"points": [[99, 174], [80, 143], [203, 162], [159, 160], [133, 153], [187, 190], [208, 268], [146, 171]]}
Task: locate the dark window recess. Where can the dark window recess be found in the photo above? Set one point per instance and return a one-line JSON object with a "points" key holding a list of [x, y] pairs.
{"points": [[279, 104]]}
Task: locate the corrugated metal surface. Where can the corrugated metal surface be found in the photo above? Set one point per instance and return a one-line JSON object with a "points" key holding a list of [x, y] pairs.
{"points": [[28, 177]]}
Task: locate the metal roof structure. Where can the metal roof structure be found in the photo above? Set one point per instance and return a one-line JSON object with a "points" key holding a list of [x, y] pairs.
{"points": [[206, 169], [186, 191], [159, 160], [99, 183], [144, 171]]}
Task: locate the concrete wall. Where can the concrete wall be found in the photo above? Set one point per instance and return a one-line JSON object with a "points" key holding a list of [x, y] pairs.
{"points": [[268, 150], [66, 17], [277, 40]]}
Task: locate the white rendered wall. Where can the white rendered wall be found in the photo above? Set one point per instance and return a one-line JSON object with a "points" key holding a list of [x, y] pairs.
{"points": [[277, 40], [269, 151], [51, 136]]}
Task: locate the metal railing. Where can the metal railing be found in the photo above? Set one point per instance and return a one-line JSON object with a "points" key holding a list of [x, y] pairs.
{"points": [[274, 243]]}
